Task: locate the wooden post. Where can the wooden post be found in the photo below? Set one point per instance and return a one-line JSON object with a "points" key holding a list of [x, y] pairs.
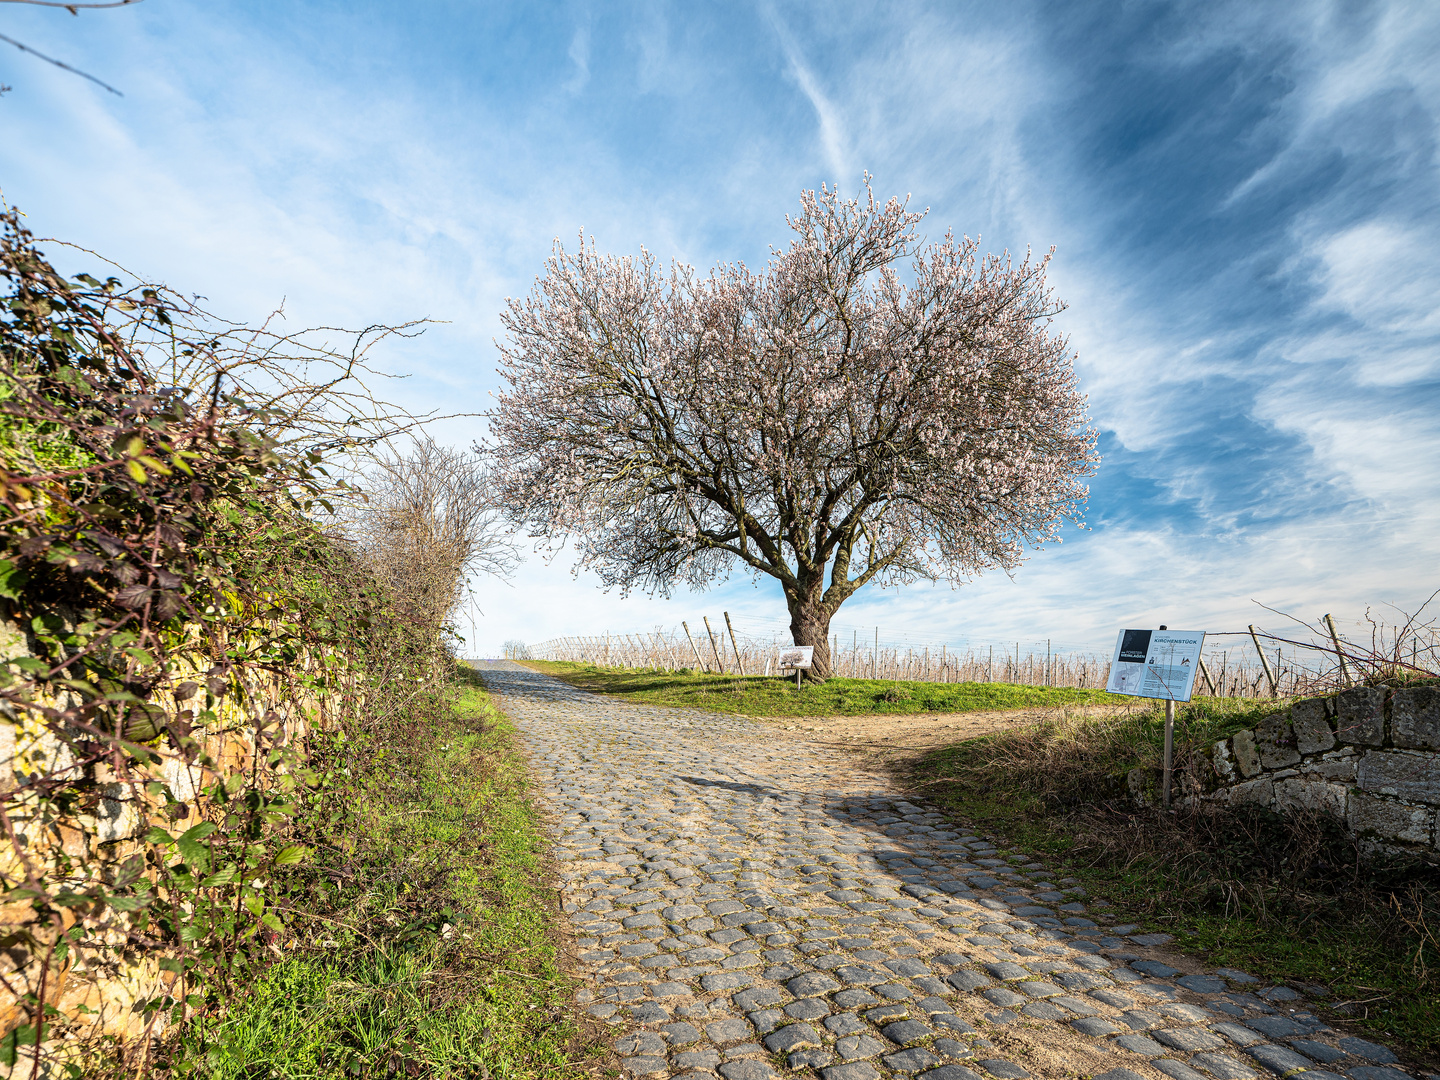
{"points": [[698, 662], [1049, 673], [719, 664], [1208, 681], [990, 676], [875, 655], [739, 664], [1264, 664], [1339, 653]]}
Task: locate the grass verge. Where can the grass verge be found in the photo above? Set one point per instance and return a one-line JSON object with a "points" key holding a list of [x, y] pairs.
{"points": [[1288, 898], [438, 955], [757, 695]]}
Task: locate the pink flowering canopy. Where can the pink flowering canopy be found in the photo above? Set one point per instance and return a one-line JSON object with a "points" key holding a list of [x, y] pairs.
{"points": [[823, 422]]}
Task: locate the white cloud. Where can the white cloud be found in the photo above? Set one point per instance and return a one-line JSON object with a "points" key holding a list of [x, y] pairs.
{"points": [[579, 53], [833, 140]]}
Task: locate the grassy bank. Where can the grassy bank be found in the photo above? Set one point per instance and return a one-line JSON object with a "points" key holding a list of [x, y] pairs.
{"points": [[437, 956], [755, 695], [1286, 898]]}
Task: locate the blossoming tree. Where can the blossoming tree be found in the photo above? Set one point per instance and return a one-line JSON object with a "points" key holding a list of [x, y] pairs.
{"points": [[824, 422]]}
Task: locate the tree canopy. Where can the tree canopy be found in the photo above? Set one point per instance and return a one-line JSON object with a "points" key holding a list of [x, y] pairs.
{"points": [[824, 421]]}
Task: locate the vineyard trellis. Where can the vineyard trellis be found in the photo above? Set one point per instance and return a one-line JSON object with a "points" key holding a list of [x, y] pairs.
{"points": [[1232, 666]]}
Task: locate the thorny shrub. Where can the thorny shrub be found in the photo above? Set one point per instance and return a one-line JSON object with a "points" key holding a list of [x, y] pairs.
{"points": [[159, 471]]}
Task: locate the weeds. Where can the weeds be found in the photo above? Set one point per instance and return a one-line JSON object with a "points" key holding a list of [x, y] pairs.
{"points": [[1288, 897], [757, 695], [434, 953]]}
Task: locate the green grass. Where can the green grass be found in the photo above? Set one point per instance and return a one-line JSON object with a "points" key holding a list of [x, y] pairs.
{"points": [[762, 696], [442, 960], [1282, 897]]}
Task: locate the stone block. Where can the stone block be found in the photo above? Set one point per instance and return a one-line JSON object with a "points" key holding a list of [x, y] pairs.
{"points": [[1311, 795], [1333, 768], [1415, 718], [1224, 761], [1413, 777], [1275, 742], [1246, 756], [1360, 716], [1389, 819], [1312, 729], [1261, 792]]}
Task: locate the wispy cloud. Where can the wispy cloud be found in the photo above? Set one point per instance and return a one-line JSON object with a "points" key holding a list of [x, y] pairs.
{"points": [[1246, 201], [579, 53], [833, 140]]}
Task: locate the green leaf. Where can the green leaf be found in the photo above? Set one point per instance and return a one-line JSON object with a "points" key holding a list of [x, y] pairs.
{"points": [[271, 920], [191, 848], [291, 855], [12, 579], [220, 877]]}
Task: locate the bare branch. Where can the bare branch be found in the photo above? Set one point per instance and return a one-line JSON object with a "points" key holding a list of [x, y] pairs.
{"points": [[58, 63]]}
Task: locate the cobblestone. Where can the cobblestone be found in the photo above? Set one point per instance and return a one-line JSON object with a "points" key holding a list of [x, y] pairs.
{"points": [[726, 887]]}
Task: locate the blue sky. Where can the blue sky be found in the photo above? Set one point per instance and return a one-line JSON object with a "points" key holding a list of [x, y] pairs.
{"points": [[1243, 196]]}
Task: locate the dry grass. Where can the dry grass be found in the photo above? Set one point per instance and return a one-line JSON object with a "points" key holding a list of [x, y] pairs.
{"points": [[1288, 897]]}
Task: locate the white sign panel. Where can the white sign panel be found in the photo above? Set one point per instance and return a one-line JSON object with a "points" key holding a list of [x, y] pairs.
{"points": [[1156, 663], [797, 656]]}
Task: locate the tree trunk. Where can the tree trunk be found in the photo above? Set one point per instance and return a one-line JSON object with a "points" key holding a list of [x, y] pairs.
{"points": [[810, 625]]}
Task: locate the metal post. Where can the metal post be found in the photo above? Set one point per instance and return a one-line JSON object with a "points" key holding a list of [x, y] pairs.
{"points": [[1264, 664], [1169, 746], [1048, 669]]}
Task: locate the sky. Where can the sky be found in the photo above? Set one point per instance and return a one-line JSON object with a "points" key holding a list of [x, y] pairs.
{"points": [[1243, 200]]}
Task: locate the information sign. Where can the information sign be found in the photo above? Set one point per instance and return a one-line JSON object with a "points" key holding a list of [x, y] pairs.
{"points": [[1156, 663], [797, 656]]}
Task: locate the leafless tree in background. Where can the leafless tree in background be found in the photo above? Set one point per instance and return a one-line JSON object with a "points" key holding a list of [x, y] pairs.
{"points": [[427, 523]]}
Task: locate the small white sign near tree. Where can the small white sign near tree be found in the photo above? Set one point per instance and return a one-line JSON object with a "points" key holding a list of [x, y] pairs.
{"points": [[796, 656], [799, 657]]}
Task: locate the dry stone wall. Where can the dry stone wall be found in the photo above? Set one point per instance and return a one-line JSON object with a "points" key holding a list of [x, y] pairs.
{"points": [[97, 988], [1370, 755]]}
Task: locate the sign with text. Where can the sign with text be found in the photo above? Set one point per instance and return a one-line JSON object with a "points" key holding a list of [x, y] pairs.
{"points": [[1156, 663], [797, 656]]}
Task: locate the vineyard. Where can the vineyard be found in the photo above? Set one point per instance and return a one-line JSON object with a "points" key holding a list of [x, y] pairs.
{"points": [[1234, 663]]}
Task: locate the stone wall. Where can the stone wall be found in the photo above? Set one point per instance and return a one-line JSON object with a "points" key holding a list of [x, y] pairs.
{"points": [[96, 988], [1369, 755]]}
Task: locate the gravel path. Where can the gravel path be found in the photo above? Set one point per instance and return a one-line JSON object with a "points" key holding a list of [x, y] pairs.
{"points": [[747, 904]]}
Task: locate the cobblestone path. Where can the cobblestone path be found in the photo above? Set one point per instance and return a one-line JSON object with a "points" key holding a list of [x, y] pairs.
{"points": [[746, 906]]}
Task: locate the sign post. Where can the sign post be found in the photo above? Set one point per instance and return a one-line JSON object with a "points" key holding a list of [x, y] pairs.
{"points": [[800, 657], [1158, 664]]}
